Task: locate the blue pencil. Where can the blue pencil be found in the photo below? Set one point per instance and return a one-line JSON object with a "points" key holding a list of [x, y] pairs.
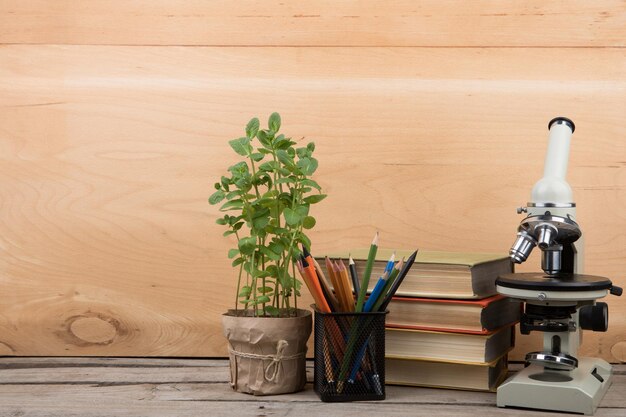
{"points": [[390, 263], [376, 292], [371, 301]]}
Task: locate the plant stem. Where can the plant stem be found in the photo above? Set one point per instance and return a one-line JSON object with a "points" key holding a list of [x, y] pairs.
{"points": [[254, 278], [295, 290], [238, 287], [256, 189]]}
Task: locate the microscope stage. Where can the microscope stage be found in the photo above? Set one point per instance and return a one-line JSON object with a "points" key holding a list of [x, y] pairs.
{"points": [[562, 287]]}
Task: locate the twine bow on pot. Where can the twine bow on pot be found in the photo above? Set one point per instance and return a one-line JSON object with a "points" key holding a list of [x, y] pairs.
{"points": [[273, 369]]}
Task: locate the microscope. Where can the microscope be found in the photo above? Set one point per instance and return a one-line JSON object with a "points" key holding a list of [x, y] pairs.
{"points": [[561, 301]]}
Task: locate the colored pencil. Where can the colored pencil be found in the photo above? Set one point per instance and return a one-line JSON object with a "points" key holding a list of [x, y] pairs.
{"points": [[398, 281], [331, 269], [391, 262], [388, 284], [355, 277], [340, 290], [345, 283], [375, 295], [328, 292], [310, 278], [368, 272]]}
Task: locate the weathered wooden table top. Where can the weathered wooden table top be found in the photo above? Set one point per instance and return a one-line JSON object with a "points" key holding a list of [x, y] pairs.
{"points": [[89, 387]]}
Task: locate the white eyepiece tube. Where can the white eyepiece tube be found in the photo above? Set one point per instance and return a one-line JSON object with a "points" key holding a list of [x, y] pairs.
{"points": [[553, 188]]}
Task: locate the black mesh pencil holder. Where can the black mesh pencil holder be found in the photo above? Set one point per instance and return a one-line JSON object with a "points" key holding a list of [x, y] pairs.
{"points": [[349, 356]]}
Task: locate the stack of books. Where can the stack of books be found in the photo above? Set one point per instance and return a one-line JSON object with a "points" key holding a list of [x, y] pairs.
{"points": [[446, 326]]}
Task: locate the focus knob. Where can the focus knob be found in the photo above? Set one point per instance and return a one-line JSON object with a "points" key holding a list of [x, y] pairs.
{"points": [[595, 317]]}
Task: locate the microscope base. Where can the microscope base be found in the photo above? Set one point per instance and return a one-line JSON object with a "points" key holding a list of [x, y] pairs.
{"points": [[576, 391]]}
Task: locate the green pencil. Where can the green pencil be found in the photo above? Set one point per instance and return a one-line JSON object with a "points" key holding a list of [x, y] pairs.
{"points": [[368, 272]]}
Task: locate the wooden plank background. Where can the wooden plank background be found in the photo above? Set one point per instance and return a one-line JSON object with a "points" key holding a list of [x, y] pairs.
{"points": [[429, 119]]}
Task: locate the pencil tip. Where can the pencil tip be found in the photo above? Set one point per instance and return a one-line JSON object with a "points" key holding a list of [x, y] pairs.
{"points": [[350, 261], [393, 256], [375, 240]]}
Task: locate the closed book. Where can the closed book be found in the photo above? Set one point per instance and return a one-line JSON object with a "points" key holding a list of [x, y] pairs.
{"points": [[478, 377], [439, 274], [465, 316], [447, 346]]}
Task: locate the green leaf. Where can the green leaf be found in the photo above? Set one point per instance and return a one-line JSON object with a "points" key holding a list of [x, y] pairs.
{"points": [[269, 166], [260, 222], [221, 221], [245, 291], [271, 310], [262, 299], [237, 261], [304, 239], [262, 274], [232, 205], [311, 146], [216, 197], [284, 157], [228, 233], [272, 270], [308, 222], [247, 245], [265, 290], [310, 183], [232, 195], [286, 180], [277, 247], [307, 165], [241, 146], [274, 122], [312, 199], [252, 128], [302, 152], [303, 211], [264, 139], [239, 168], [283, 143], [232, 253], [267, 252], [256, 157], [292, 217]]}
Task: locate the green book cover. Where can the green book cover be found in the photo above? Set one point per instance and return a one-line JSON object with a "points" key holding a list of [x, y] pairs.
{"points": [[469, 259]]}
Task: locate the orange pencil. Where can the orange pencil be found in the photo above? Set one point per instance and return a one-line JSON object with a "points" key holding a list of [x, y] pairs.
{"points": [[322, 305], [314, 288], [330, 267], [330, 297], [343, 275], [346, 293]]}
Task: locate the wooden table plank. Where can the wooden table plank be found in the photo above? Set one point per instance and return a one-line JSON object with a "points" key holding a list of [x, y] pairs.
{"points": [[163, 387]]}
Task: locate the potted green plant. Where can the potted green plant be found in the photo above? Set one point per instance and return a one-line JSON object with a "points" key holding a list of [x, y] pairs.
{"points": [[266, 198]]}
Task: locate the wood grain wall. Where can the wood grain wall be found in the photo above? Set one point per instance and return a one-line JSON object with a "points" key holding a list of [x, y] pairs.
{"points": [[429, 118]]}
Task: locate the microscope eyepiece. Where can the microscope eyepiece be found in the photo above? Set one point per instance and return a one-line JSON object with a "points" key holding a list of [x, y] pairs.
{"points": [[562, 121]]}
